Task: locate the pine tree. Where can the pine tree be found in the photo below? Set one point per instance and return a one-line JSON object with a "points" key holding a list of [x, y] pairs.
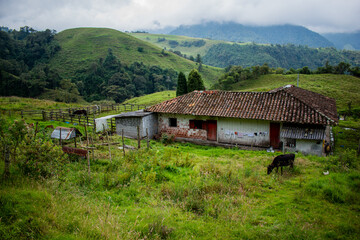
{"points": [[195, 81], [181, 85]]}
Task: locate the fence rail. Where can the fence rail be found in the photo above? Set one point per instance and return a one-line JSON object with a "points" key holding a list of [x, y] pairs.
{"points": [[66, 114]]}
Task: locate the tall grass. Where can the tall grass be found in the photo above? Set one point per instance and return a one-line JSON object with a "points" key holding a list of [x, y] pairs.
{"points": [[181, 191]]}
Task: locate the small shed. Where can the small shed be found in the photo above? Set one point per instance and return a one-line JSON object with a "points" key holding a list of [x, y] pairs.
{"points": [[131, 120], [65, 133]]}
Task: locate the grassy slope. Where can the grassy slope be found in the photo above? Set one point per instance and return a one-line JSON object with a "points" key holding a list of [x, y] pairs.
{"points": [[82, 46], [341, 87], [19, 103], [152, 99], [189, 51]]}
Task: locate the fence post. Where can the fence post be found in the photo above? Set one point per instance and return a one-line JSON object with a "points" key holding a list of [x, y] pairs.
{"points": [[7, 162], [22, 114], [88, 155], [60, 138], [138, 136], [43, 115], [147, 138], [123, 142], [63, 115], [107, 135], [94, 124]]}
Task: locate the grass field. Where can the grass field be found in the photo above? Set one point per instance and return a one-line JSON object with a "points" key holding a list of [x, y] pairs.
{"points": [[82, 46], [19, 103], [177, 191], [152, 99], [183, 191]]}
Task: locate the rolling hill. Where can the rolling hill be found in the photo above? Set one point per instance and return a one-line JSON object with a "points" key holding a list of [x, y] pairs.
{"points": [[223, 53], [82, 46], [343, 88], [349, 41], [230, 31]]}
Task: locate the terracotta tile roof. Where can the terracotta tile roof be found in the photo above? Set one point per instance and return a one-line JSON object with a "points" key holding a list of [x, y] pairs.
{"points": [[286, 104]]}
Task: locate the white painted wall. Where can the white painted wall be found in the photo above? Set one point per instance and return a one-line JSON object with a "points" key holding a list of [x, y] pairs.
{"points": [[309, 146], [244, 131]]}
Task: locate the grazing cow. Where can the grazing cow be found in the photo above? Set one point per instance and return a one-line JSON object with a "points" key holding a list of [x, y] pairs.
{"points": [[280, 161], [79, 112]]}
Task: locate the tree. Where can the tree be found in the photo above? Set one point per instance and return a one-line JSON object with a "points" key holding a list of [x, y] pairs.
{"points": [[341, 68], [195, 81], [198, 58], [305, 70], [181, 85]]}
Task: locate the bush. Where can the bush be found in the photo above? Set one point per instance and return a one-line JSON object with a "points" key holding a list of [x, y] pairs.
{"points": [[39, 158], [343, 162], [167, 139]]}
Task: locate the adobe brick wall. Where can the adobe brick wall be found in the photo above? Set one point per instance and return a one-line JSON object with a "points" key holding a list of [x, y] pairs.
{"points": [[182, 129]]}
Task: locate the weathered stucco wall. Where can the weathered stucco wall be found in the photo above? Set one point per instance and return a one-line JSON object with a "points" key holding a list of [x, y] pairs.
{"points": [[309, 147], [183, 128], [129, 124], [244, 131], [151, 123]]}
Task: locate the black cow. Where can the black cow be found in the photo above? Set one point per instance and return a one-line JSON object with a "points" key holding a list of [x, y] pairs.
{"points": [[79, 112], [280, 161]]}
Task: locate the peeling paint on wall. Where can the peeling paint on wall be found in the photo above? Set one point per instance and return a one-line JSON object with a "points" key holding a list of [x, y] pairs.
{"points": [[183, 128]]}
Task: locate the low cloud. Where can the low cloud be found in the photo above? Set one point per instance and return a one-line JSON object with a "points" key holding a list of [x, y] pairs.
{"points": [[320, 16]]}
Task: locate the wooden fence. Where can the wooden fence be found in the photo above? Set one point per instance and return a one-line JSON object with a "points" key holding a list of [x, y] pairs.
{"points": [[66, 114]]}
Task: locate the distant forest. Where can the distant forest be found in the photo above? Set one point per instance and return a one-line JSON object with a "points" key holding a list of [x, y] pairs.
{"points": [[284, 56], [25, 72]]}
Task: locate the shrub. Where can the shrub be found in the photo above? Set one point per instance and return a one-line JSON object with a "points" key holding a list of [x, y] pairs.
{"points": [[39, 158], [167, 139], [343, 162]]}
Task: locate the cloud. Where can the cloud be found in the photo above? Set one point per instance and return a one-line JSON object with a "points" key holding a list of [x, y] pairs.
{"points": [[317, 15]]}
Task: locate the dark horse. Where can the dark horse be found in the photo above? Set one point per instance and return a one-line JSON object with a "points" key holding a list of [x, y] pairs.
{"points": [[280, 161]]}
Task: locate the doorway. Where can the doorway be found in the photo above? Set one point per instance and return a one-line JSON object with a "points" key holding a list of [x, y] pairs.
{"points": [[212, 130]]}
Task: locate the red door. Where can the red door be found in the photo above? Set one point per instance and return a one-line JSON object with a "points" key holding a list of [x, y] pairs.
{"points": [[212, 130], [275, 135]]}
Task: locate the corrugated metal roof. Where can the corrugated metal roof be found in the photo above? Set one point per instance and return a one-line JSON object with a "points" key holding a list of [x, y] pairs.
{"points": [[302, 133], [66, 133], [282, 105], [139, 113]]}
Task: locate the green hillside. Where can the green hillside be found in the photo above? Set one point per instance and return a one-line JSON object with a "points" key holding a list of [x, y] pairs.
{"points": [[343, 88], [152, 99], [82, 46], [186, 45]]}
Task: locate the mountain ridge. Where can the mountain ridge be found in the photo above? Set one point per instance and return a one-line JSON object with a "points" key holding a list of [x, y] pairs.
{"points": [[275, 34]]}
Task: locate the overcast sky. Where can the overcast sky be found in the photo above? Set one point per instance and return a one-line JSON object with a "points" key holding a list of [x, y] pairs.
{"points": [[318, 15]]}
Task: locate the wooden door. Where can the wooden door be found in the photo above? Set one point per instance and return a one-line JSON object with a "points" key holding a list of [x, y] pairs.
{"points": [[275, 135], [212, 130]]}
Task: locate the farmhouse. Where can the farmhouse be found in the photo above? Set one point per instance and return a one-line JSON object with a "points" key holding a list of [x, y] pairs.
{"points": [[287, 117]]}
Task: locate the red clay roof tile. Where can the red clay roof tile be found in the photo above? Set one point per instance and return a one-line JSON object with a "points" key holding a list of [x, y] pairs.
{"points": [[285, 104]]}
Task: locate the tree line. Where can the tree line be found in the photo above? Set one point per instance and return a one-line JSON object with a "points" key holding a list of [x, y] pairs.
{"points": [[277, 56], [112, 80], [25, 71], [235, 74]]}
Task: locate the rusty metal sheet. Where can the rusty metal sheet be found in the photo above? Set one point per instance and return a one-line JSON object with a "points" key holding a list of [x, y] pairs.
{"points": [[77, 151]]}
